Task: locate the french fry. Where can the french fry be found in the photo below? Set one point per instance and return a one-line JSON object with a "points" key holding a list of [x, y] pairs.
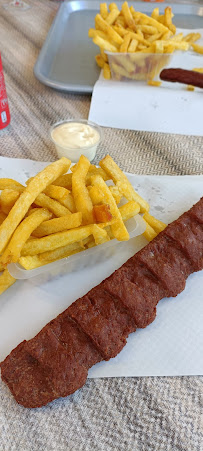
{"points": [[106, 71], [96, 195], [69, 203], [190, 88], [80, 192], [198, 69], [125, 44], [2, 267], [155, 13], [122, 182], [126, 63], [8, 199], [63, 195], [115, 193], [129, 210], [92, 33], [104, 26], [173, 28], [120, 30], [159, 46], [178, 37], [61, 252], [32, 262], [177, 45], [6, 280], [35, 261], [104, 55], [154, 37], [21, 235], [56, 192], [93, 170], [64, 180], [119, 70], [91, 244], [112, 16], [99, 60], [102, 213], [42, 200], [148, 29], [149, 233], [35, 187], [120, 21], [56, 240], [6, 183], [113, 6], [156, 224], [154, 83], [198, 48], [104, 44], [104, 10], [58, 224], [168, 16], [144, 19], [100, 235], [133, 45], [192, 37], [2, 217], [118, 228], [128, 16]]}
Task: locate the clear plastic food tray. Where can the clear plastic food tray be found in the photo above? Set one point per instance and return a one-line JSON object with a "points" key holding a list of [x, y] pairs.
{"points": [[137, 66], [135, 226]]}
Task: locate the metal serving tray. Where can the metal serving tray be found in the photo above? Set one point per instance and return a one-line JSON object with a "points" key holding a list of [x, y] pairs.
{"points": [[67, 58]]}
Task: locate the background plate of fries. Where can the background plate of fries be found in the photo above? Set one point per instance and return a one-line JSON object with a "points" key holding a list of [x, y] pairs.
{"points": [[68, 41], [136, 46], [171, 345], [73, 218]]}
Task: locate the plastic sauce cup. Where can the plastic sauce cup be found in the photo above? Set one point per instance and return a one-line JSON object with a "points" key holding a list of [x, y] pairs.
{"points": [[74, 152]]}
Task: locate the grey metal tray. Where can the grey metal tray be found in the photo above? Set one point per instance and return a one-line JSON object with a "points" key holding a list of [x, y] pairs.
{"points": [[66, 60]]}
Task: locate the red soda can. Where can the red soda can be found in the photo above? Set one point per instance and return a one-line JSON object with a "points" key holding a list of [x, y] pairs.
{"points": [[4, 108]]}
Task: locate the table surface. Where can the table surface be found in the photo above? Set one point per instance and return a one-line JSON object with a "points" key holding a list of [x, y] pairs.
{"points": [[125, 414]]}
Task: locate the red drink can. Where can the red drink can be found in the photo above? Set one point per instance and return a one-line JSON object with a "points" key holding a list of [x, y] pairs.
{"points": [[4, 108]]}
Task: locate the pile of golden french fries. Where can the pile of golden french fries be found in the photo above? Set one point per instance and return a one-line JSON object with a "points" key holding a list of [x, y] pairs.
{"points": [[58, 214], [136, 35]]}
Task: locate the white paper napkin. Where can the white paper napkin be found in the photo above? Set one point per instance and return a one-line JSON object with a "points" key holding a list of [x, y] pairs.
{"points": [[169, 108], [171, 345]]}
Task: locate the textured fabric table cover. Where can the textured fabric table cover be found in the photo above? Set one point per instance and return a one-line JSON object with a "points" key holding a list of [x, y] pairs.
{"points": [[125, 414]]}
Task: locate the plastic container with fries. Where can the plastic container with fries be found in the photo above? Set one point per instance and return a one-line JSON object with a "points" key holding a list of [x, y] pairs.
{"points": [[59, 220], [86, 258], [136, 46], [137, 66]]}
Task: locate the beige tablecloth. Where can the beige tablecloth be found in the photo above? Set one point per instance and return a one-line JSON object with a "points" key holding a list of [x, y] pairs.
{"points": [[124, 414]]}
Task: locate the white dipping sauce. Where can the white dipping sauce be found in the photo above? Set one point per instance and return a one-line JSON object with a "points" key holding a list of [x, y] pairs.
{"points": [[75, 135]]}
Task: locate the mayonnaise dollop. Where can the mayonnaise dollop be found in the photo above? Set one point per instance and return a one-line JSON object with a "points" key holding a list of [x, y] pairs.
{"points": [[75, 135]]}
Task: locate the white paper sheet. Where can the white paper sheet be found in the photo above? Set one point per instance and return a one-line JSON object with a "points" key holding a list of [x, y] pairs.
{"points": [[169, 108], [171, 345]]}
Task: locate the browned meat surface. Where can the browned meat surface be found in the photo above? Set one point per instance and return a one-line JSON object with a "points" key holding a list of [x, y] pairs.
{"points": [[167, 264], [108, 334], [28, 381], [187, 77], [196, 212], [188, 241], [140, 304], [95, 327], [74, 340], [63, 368]]}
